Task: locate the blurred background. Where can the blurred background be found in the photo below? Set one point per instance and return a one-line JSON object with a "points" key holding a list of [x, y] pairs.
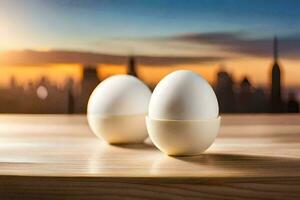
{"points": [[53, 53]]}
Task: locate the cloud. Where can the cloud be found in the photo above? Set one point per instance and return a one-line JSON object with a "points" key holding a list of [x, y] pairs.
{"points": [[218, 38], [225, 45], [31, 57], [35, 58], [190, 48], [239, 42], [167, 61]]}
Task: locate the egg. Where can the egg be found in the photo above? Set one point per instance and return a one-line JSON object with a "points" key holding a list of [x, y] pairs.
{"points": [[183, 114], [117, 108], [183, 95]]}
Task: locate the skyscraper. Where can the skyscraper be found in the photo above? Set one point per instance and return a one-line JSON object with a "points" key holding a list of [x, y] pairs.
{"points": [[225, 92], [245, 96], [131, 68], [89, 81], [276, 99], [70, 96]]}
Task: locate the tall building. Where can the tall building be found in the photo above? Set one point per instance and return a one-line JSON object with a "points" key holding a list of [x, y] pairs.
{"points": [[131, 68], [245, 96], [89, 82], [70, 96], [225, 92], [276, 99], [292, 104], [259, 101]]}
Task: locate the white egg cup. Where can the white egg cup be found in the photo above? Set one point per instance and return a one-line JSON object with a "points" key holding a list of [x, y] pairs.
{"points": [[119, 129], [183, 137]]}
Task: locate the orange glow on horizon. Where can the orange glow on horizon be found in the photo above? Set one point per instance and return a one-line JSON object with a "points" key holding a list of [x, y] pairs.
{"points": [[57, 73], [256, 69], [106, 70]]}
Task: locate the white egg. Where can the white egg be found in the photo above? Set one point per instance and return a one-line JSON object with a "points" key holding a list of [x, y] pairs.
{"points": [[183, 114], [117, 108], [183, 95]]}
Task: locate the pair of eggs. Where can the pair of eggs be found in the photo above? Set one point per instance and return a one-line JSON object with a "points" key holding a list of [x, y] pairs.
{"points": [[181, 117]]}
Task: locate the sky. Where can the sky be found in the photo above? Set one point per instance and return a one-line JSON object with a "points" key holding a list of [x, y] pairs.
{"points": [[165, 35]]}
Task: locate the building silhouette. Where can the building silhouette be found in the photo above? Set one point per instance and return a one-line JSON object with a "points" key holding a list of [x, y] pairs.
{"points": [[245, 96], [89, 82], [131, 67], [259, 101], [276, 98], [292, 105], [224, 89], [71, 101]]}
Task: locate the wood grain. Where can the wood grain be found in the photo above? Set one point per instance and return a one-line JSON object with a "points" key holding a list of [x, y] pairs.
{"points": [[57, 156]]}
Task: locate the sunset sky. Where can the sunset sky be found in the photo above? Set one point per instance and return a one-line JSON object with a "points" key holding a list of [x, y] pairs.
{"points": [[55, 37]]}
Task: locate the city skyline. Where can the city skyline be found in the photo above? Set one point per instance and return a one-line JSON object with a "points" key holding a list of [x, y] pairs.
{"points": [[233, 97], [58, 73]]}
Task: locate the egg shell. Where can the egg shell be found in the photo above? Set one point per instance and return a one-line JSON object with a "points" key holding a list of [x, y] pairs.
{"points": [[183, 114], [183, 95], [183, 137], [119, 95], [117, 109]]}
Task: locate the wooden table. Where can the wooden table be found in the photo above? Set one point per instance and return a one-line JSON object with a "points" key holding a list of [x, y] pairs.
{"points": [[57, 157]]}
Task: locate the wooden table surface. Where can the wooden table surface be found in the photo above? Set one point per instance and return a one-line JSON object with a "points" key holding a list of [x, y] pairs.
{"points": [[47, 156]]}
